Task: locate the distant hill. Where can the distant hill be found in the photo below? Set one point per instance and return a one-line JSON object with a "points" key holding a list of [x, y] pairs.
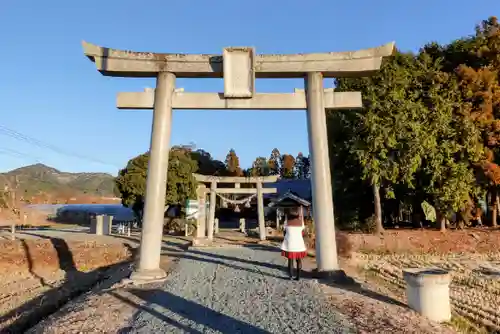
{"points": [[39, 178]]}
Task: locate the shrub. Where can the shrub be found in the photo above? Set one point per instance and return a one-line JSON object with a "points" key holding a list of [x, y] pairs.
{"points": [[344, 245]]}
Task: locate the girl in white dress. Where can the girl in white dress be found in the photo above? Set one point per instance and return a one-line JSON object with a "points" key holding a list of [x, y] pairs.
{"points": [[293, 246]]}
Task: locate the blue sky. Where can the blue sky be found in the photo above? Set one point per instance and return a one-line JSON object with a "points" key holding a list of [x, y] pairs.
{"points": [[51, 92]]}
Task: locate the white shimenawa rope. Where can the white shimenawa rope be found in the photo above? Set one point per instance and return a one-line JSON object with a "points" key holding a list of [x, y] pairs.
{"points": [[237, 202]]}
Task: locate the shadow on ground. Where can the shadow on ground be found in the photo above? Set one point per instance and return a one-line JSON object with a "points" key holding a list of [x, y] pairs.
{"points": [[192, 311], [75, 283], [345, 283]]}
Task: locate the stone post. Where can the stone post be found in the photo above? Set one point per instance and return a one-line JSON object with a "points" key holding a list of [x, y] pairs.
{"points": [[202, 216], [428, 292], [96, 225], [216, 226], [326, 248], [156, 184], [260, 211], [211, 217], [107, 224], [277, 219], [242, 225]]}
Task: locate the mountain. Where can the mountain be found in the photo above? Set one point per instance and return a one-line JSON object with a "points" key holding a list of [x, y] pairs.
{"points": [[39, 178]]}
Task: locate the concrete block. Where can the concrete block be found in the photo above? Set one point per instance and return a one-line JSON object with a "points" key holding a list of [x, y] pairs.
{"points": [[96, 225], [428, 292], [107, 224]]}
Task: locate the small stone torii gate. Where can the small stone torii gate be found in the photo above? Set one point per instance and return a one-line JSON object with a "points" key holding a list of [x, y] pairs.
{"points": [[205, 228], [238, 67]]}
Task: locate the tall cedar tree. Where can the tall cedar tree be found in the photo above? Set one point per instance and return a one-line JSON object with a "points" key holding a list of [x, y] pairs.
{"points": [[288, 166], [233, 164], [475, 62], [381, 141], [274, 162]]}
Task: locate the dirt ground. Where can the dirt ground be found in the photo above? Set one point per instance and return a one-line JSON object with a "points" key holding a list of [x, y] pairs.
{"points": [[39, 275], [472, 256], [476, 240], [374, 304]]}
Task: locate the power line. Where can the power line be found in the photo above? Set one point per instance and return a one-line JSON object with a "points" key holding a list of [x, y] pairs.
{"points": [[17, 154], [36, 142]]}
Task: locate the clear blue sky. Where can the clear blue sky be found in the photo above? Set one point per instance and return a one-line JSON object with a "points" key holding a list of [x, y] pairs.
{"points": [[50, 91]]}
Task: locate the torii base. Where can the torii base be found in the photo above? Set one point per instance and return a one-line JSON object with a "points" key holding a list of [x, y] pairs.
{"points": [[141, 277], [337, 277]]}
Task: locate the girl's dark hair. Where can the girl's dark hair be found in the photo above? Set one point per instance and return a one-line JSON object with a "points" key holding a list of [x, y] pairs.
{"points": [[293, 213]]}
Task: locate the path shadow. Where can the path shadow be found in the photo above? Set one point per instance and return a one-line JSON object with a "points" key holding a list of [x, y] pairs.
{"points": [[173, 246], [360, 290], [75, 283], [154, 313], [237, 259], [185, 255], [29, 258], [347, 283], [267, 248], [210, 319]]}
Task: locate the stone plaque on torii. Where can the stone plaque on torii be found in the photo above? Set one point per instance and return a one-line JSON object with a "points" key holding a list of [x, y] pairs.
{"points": [[238, 66]]}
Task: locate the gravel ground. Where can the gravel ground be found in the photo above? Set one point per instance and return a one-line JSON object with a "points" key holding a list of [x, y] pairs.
{"points": [[238, 290]]}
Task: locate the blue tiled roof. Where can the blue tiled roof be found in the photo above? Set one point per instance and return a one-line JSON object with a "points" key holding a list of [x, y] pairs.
{"points": [[301, 188]]}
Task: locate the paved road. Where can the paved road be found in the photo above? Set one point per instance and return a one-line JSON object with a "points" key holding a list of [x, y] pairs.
{"points": [[238, 290]]}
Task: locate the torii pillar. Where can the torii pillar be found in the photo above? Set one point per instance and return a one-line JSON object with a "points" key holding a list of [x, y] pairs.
{"points": [[239, 67], [156, 184]]}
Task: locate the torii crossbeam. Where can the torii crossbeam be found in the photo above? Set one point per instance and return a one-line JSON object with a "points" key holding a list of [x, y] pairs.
{"points": [[239, 66]]}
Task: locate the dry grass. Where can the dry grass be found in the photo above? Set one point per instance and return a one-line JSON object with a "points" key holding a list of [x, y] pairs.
{"points": [[52, 254], [38, 276], [427, 241], [474, 294]]}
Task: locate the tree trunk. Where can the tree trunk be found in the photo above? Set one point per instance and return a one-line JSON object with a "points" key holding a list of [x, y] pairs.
{"points": [[378, 208], [494, 212]]}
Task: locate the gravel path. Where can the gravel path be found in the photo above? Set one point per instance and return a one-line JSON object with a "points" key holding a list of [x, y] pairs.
{"points": [[238, 290]]}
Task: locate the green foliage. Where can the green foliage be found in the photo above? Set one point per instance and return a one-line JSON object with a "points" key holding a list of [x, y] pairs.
{"points": [[181, 185], [260, 167], [206, 164], [428, 124]]}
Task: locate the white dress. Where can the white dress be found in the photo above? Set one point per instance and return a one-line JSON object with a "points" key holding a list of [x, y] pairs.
{"points": [[293, 242]]}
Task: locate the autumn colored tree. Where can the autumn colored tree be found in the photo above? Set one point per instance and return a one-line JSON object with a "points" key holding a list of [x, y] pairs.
{"points": [[474, 62], [288, 166], [233, 164]]}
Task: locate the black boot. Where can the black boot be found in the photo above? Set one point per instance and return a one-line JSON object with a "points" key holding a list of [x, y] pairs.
{"points": [[290, 268], [299, 268]]}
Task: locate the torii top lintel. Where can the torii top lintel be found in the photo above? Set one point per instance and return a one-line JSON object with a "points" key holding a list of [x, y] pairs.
{"points": [[121, 63]]}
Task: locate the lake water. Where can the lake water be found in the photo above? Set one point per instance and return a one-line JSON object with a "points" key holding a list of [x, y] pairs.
{"points": [[118, 211]]}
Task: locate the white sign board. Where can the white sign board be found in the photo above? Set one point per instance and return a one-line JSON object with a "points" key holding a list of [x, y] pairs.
{"points": [[239, 72], [192, 208]]}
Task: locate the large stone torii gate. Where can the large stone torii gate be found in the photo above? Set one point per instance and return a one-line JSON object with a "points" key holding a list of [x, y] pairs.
{"points": [[238, 67]]}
